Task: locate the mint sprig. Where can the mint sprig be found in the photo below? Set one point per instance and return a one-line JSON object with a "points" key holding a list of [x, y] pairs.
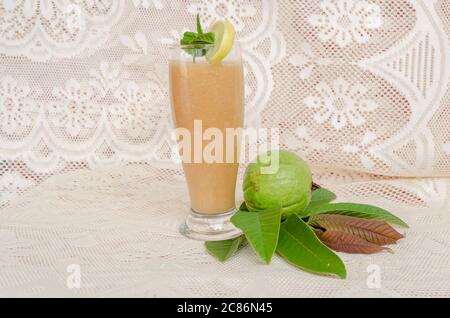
{"points": [[196, 44]]}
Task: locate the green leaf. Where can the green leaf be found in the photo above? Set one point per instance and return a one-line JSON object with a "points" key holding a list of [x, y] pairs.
{"points": [[261, 229], [223, 250], [300, 246], [188, 38], [199, 25], [365, 211], [321, 196], [197, 41], [205, 38]]}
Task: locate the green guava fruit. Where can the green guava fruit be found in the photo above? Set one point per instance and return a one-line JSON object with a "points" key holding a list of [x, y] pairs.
{"points": [[289, 186]]}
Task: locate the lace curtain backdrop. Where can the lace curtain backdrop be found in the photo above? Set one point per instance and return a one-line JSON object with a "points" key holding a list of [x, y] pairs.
{"points": [[359, 88]]}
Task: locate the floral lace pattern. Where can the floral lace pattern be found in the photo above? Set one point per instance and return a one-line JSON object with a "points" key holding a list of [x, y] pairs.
{"points": [[359, 88], [345, 21], [111, 106], [106, 78], [342, 103], [233, 10], [74, 111], [41, 29], [146, 4], [11, 184], [307, 60], [18, 104], [137, 108], [123, 235], [362, 150]]}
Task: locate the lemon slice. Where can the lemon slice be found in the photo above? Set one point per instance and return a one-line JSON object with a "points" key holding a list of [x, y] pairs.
{"points": [[224, 35]]}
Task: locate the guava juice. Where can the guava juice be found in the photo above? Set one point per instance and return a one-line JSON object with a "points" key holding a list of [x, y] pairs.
{"points": [[214, 95]]}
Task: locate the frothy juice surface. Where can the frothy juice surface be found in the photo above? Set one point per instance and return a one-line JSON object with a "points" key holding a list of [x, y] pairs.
{"points": [[214, 94]]}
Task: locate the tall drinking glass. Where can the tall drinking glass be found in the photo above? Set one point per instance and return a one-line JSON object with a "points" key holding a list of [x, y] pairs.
{"points": [[208, 105]]}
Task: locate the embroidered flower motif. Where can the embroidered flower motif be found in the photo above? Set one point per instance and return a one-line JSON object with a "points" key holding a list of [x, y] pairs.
{"points": [[138, 44], [75, 109], [32, 7], [232, 10], [434, 193], [107, 78], [138, 109], [341, 103], [11, 184], [42, 29], [362, 150], [146, 4], [51, 8], [303, 142], [173, 38], [345, 21], [17, 106], [307, 60]]}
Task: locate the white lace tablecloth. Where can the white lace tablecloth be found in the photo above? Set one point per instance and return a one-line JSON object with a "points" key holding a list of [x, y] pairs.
{"points": [[120, 228], [359, 88]]}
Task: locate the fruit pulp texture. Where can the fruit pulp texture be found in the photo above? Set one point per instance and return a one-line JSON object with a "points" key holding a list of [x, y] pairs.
{"points": [[214, 94]]}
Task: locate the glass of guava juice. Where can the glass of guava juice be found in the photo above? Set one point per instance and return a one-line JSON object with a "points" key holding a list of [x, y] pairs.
{"points": [[207, 99]]}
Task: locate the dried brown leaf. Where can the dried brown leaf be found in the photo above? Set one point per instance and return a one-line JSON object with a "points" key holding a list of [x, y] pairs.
{"points": [[346, 242], [374, 231]]}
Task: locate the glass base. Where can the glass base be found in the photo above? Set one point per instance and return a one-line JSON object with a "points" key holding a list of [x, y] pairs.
{"points": [[210, 227]]}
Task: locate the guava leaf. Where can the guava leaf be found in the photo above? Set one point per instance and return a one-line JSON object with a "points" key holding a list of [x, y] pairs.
{"points": [[299, 246], [321, 196], [261, 229], [223, 250], [347, 242], [374, 231], [358, 210]]}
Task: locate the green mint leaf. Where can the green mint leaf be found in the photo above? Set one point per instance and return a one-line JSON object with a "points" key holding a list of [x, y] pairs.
{"points": [[223, 250], [197, 41], [300, 247], [199, 25], [365, 211], [188, 38], [261, 229], [204, 38]]}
